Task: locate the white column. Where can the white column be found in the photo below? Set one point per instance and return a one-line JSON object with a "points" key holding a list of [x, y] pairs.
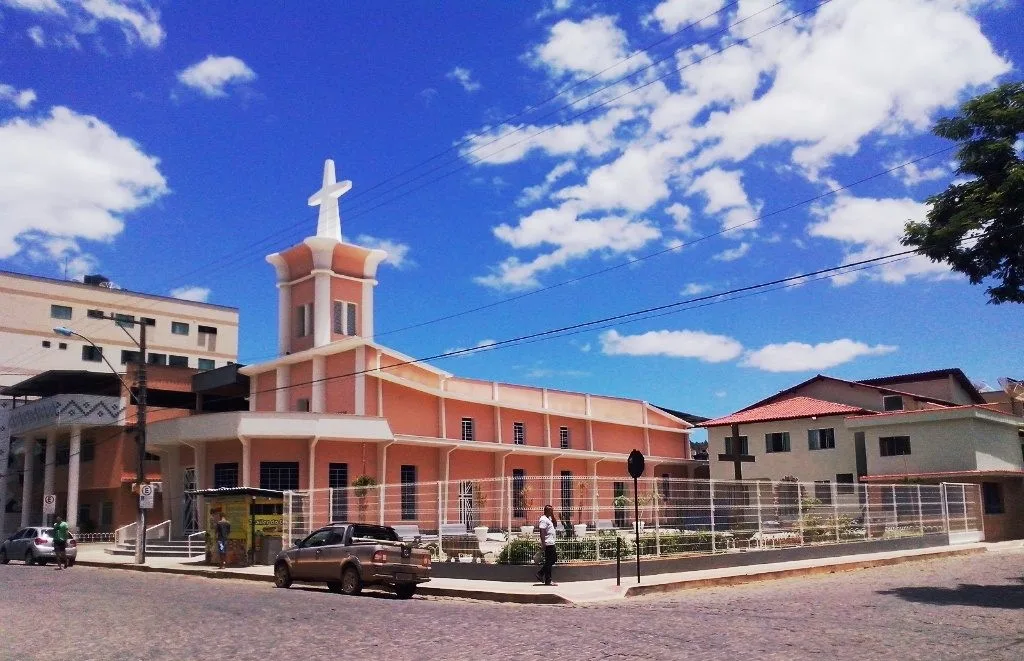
{"points": [[318, 389], [360, 383], [380, 390], [74, 465], [443, 426], [312, 466], [26, 487], [284, 304], [49, 464], [253, 380], [5, 454], [322, 312], [281, 394], [246, 470]]}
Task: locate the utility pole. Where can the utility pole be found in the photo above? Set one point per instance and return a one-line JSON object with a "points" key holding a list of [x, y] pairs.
{"points": [[140, 530]]}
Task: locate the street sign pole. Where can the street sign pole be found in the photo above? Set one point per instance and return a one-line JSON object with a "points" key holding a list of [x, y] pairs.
{"points": [[635, 466]]}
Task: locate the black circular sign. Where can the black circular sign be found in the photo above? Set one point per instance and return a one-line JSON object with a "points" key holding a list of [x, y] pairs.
{"points": [[635, 464]]}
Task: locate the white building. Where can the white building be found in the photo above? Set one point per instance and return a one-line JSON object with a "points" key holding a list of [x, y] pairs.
{"points": [[179, 333]]}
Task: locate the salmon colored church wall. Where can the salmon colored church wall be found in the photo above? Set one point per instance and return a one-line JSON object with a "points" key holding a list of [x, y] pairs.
{"points": [[266, 395], [341, 384], [411, 412], [299, 386]]}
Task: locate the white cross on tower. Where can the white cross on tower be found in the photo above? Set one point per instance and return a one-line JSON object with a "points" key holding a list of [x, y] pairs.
{"points": [[328, 223]]}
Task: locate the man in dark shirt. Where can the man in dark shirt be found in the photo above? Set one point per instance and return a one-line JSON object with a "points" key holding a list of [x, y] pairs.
{"points": [[223, 529]]}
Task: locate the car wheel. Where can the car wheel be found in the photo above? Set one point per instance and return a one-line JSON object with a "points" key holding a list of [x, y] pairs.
{"points": [[3, 557], [29, 558], [351, 584], [334, 586], [42, 562], [282, 577], [405, 591]]}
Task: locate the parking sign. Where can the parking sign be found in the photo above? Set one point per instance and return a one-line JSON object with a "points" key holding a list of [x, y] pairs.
{"points": [[49, 504], [146, 496]]}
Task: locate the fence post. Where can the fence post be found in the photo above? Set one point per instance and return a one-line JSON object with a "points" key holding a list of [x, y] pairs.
{"points": [[711, 502], [760, 532], [963, 490], [835, 507], [800, 511], [511, 505], [895, 513], [380, 503], [945, 507], [920, 511], [440, 516], [288, 534], [330, 505], [867, 512], [657, 524]]}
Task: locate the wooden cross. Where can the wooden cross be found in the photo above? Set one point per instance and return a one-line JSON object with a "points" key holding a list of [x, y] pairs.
{"points": [[735, 457]]}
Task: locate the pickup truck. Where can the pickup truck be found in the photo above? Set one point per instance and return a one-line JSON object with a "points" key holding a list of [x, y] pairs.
{"points": [[351, 556]]}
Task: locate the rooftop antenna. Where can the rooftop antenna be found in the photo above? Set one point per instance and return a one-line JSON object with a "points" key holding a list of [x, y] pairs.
{"points": [[1014, 389]]}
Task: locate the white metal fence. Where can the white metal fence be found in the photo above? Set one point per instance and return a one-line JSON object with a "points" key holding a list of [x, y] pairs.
{"points": [[490, 520]]}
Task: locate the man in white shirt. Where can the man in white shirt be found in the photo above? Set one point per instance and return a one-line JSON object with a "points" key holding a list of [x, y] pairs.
{"points": [[546, 529]]}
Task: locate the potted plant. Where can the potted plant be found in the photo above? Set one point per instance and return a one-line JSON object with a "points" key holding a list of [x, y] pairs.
{"points": [[580, 529], [361, 487], [480, 500], [526, 497]]}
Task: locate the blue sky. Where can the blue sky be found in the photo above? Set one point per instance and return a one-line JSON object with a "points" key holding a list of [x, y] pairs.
{"points": [[171, 148]]}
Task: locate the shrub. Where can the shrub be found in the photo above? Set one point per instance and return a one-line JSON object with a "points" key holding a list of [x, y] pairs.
{"points": [[519, 552]]}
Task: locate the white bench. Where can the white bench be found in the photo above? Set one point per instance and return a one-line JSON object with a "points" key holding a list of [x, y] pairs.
{"points": [[408, 532], [453, 529], [772, 538], [604, 525]]}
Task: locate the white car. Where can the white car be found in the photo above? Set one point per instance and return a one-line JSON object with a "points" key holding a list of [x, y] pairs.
{"points": [[34, 545]]}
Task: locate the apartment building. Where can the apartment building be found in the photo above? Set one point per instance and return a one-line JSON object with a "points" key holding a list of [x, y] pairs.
{"points": [[179, 333]]}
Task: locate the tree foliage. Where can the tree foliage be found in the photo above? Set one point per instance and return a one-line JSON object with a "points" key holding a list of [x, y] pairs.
{"points": [[977, 224]]}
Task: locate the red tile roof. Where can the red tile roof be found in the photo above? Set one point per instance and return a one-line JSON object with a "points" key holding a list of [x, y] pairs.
{"points": [[787, 409], [133, 477]]}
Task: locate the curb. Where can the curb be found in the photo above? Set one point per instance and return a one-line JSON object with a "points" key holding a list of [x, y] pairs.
{"points": [[740, 579], [426, 590]]}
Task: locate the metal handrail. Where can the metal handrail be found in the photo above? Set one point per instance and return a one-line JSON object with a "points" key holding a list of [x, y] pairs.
{"points": [[120, 535], [195, 534], [162, 524]]}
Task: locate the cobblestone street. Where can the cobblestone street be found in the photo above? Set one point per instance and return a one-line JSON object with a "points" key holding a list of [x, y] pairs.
{"points": [[959, 608]]}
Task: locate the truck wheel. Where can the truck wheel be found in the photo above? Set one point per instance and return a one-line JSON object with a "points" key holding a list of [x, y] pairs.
{"points": [[282, 577], [334, 586], [406, 590], [351, 584], [3, 557]]}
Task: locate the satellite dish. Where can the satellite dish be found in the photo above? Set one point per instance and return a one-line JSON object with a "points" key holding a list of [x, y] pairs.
{"points": [[1012, 387]]}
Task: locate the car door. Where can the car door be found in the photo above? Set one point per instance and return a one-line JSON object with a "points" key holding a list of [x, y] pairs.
{"points": [[331, 555], [307, 556], [21, 543], [13, 543]]}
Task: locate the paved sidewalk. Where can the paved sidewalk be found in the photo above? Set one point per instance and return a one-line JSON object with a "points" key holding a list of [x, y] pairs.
{"points": [[576, 592]]}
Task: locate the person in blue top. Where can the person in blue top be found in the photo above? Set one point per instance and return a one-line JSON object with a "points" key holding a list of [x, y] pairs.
{"points": [[61, 535]]}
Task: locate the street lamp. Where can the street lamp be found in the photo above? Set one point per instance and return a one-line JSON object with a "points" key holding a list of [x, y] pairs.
{"points": [[140, 400]]}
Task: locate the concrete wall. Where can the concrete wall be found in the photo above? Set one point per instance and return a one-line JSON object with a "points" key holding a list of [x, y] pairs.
{"points": [[800, 462]]}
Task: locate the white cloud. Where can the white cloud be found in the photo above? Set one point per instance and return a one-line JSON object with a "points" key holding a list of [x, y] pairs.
{"points": [[464, 77], [37, 35], [674, 14], [732, 254], [67, 177], [572, 237], [681, 215], [913, 173], [849, 74], [694, 289], [398, 252], [533, 194], [137, 20], [22, 99], [674, 344], [469, 351], [870, 227], [212, 75], [191, 293], [800, 357], [595, 45]]}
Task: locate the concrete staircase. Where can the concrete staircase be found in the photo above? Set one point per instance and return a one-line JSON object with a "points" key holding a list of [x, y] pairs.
{"points": [[164, 548]]}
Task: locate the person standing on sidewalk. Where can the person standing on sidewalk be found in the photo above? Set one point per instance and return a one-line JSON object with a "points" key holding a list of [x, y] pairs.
{"points": [[61, 534], [223, 530], [546, 529]]}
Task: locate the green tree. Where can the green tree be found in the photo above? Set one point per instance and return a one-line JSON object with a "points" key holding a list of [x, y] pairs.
{"points": [[977, 226]]}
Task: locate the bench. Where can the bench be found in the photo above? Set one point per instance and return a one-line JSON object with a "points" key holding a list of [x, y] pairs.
{"points": [[453, 529], [408, 533], [461, 544], [604, 525], [772, 538]]}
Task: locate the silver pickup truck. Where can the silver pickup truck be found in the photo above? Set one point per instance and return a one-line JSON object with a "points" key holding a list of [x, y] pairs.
{"points": [[351, 556]]}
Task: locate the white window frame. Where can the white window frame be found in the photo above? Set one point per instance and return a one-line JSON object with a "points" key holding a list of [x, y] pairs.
{"points": [[885, 408], [303, 320], [468, 429], [344, 318], [519, 433], [814, 437], [180, 324]]}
